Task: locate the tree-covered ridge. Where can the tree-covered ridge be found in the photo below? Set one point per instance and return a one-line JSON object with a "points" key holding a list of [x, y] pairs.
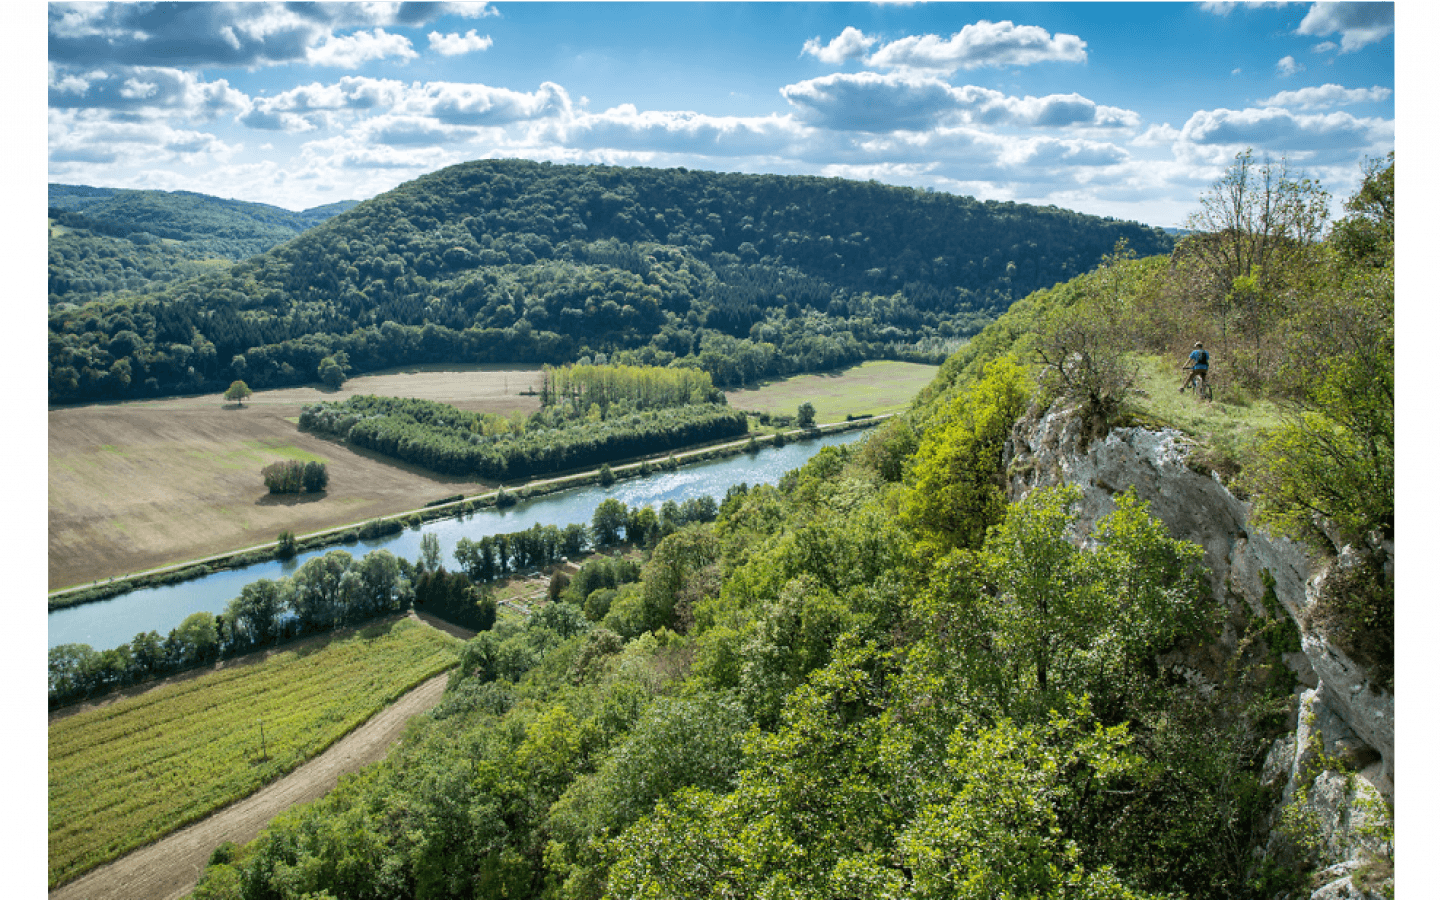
{"points": [[746, 276], [111, 240]]}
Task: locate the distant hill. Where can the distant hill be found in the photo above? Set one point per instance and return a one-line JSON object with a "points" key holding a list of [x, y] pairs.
{"points": [[109, 240], [745, 276]]}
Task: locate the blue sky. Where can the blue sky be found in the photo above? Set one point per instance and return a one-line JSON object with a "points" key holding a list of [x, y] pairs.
{"points": [[1123, 109]]}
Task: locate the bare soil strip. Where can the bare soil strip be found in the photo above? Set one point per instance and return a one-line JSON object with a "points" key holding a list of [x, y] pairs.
{"points": [[171, 867]]}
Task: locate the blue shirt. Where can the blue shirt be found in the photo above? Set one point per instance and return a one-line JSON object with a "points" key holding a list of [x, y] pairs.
{"points": [[1201, 359]]}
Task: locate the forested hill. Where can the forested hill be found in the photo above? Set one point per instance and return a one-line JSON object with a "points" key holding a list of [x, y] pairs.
{"points": [[107, 240], [507, 260]]}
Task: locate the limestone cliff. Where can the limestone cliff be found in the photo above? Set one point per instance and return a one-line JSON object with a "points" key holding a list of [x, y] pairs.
{"points": [[1338, 762]]}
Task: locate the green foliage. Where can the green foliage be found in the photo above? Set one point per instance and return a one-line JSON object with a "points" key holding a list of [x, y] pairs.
{"points": [[805, 418], [956, 486], [238, 391], [1072, 621], [332, 370], [454, 598]]}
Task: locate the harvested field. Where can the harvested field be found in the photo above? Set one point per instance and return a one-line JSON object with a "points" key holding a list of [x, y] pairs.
{"points": [[133, 486], [871, 388]]}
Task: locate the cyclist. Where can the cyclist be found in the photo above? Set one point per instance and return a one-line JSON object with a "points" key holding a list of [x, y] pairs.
{"points": [[1199, 361]]}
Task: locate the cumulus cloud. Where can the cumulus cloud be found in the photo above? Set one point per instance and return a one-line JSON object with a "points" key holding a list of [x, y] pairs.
{"points": [[1358, 24], [868, 101], [88, 136], [444, 104], [626, 128], [979, 44], [902, 101], [457, 44], [454, 103], [144, 90], [1327, 95], [1223, 7], [311, 106], [1284, 131], [850, 44], [352, 50], [1287, 66], [228, 34], [470, 10]]}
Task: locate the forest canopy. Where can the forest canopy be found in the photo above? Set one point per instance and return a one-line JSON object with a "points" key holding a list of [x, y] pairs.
{"points": [[743, 276]]}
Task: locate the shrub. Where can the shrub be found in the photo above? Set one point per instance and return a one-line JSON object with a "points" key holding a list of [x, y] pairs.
{"points": [[285, 545], [293, 477], [315, 477]]}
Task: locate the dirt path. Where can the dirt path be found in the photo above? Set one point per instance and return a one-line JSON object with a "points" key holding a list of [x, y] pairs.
{"points": [[170, 867]]}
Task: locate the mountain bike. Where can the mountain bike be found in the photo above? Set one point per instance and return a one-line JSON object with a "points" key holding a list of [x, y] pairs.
{"points": [[1199, 385]]}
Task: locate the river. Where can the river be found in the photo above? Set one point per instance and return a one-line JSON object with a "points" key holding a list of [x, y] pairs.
{"points": [[109, 623]]}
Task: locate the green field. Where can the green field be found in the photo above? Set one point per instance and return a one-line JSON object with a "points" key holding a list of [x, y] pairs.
{"points": [[871, 388], [127, 773]]}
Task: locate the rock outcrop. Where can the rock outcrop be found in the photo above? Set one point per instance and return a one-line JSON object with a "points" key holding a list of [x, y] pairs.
{"points": [[1339, 761]]}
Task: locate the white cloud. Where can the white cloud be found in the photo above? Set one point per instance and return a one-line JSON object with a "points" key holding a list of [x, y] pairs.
{"points": [[468, 10], [868, 101], [350, 93], [982, 43], [902, 101], [1325, 47], [1223, 7], [144, 91], [1287, 66], [350, 51], [1358, 24], [1157, 136], [457, 44], [229, 34], [90, 136], [1327, 95], [455, 103], [628, 129], [850, 44], [1322, 136]]}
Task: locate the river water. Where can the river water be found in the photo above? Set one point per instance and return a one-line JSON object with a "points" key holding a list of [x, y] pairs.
{"points": [[109, 623]]}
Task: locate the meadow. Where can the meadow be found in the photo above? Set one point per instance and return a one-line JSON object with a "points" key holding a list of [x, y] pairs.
{"points": [[871, 388], [128, 772]]}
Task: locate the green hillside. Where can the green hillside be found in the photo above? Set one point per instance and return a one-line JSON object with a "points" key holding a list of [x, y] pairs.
{"points": [[745, 276], [104, 241]]}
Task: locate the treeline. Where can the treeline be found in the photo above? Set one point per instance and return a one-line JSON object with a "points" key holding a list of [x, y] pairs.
{"points": [[525, 262], [452, 441], [335, 590], [579, 387], [325, 593]]}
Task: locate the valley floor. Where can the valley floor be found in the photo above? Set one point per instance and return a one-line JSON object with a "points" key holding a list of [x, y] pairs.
{"points": [[139, 485]]}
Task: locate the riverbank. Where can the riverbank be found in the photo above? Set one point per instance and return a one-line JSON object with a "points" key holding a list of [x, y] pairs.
{"points": [[457, 505]]}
